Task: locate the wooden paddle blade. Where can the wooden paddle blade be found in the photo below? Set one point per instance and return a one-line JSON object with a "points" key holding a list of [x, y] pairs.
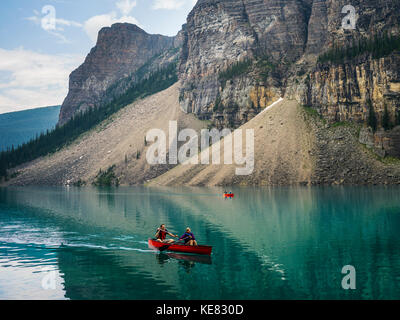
{"points": [[163, 248]]}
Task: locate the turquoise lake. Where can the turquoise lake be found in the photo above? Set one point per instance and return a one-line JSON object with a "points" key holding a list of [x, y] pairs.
{"points": [[268, 243]]}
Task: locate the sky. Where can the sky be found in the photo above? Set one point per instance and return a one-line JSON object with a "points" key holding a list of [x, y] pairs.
{"points": [[43, 41]]}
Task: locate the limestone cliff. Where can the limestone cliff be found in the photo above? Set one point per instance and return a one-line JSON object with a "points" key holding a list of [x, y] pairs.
{"points": [[219, 34], [239, 56], [341, 92], [120, 51]]}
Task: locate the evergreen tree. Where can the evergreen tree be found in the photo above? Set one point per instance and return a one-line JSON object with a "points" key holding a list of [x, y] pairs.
{"points": [[372, 121], [398, 118], [379, 46], [52, 141], [386, 119], [235, 70]]}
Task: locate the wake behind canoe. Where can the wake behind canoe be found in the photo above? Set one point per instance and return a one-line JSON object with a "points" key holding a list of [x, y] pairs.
{"points": [[204, 250]]}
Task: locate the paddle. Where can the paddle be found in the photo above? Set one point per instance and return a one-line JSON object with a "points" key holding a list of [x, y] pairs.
{"points": [[163, 248]]}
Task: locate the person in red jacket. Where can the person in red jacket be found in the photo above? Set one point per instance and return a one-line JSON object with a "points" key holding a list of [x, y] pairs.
{"points": [[161, 235]]}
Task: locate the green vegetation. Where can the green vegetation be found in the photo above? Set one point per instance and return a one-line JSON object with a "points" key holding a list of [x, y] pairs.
{"points": [[79, 183], [262, 64], [54, 140], [311, 111], [372, 121], [386, 160], [390, 160], [22, 126], [377, 47], [312, 114], [235, 70], [386, 124], [233, 107], [142, 73], [106, 178], [265, 66], [341, 124], [218, 107], [181, 96], [398, 118]]}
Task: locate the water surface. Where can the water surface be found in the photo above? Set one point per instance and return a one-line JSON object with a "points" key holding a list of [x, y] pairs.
{"points": [[269, 243]]}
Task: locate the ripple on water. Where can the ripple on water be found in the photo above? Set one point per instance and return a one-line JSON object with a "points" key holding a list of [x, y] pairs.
{"points": [[268, 243]]}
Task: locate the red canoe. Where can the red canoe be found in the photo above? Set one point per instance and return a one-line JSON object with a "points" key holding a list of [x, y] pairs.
{"points": [[206, 250], [229, 195]]}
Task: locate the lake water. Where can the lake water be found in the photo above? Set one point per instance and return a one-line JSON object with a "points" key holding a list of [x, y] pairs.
{"points": [[268, 243]]}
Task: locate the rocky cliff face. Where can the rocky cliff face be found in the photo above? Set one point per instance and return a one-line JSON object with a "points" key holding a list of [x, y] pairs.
{"points": [[282, 40], [289, 34], [221, 33], [238, 56], [120, 51], [340, 92]]}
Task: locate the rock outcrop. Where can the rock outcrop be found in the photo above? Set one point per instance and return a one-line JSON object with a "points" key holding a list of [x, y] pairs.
{"points": [[294, 147], [120, 51], [340, 92], [221, 33], [234, 58], [239, 56], [290, 34], [383, 143], [116, 145]]}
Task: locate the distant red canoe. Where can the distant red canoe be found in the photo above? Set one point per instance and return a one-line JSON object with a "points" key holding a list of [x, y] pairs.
{"points": [[229, 195], [205, 250]]}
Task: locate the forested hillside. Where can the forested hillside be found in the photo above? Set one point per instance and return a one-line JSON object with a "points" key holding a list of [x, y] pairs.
{"points": [[54, 140], [22, 126]]}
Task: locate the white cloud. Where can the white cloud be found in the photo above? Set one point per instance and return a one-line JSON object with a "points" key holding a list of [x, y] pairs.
{"points": [[171, 4], [93, 25], [34, 79], [58, 26], [126, 6], [68, 23]]}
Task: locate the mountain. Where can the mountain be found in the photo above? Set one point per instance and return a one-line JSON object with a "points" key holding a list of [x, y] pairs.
{"points": [[239, 56], [120, 51], [19, 127], [116, 146], [338, 72], [293, 146]]}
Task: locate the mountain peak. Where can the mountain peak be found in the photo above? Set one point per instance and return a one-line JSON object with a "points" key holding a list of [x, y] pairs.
{"points": [[121, 26], [120, 51]]}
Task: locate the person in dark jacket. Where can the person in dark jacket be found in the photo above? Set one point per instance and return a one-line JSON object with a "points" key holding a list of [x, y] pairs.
{"points": [[189, 238]]}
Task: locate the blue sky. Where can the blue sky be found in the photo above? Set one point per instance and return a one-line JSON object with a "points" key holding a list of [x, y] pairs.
{"points": [[42, 41]]}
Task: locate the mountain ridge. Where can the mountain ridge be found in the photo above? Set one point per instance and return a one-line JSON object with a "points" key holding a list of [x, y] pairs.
{"points": [[119, 52], [234, 58], [19, 127]]}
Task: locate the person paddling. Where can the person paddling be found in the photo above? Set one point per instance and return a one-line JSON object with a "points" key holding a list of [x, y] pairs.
{"points": [[162, 233], [189, 238]]}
